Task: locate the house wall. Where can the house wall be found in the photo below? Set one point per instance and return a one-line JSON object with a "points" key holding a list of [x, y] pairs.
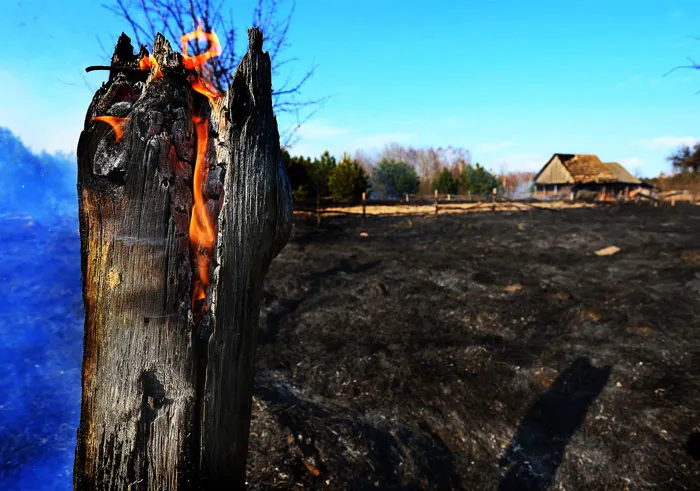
{"points": [[555, 173], [553, 191], [605, 191], [589, 191]]}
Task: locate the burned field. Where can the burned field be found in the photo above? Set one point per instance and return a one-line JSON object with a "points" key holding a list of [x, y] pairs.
{"points": [[482, 351]]}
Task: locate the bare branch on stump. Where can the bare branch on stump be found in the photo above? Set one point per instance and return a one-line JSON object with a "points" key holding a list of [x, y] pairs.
{"points": [[167, 381], [174, 17]]}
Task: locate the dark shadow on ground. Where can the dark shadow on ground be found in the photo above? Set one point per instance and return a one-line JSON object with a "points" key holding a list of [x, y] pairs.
{"points": [[538, 446], [692, 448]]}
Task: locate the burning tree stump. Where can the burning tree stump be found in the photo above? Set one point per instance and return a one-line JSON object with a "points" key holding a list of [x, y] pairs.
{"points": [[183, 204]]}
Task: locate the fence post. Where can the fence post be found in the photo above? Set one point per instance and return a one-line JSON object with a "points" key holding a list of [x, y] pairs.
{"points": [[436, 202], [318, 205], [364, 204]]}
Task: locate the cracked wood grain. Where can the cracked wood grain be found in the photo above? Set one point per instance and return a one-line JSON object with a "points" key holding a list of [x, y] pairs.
{"points": [[166, 394]]}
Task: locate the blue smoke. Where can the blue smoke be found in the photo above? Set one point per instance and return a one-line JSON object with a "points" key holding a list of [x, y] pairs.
{"points": [[40, 317]]}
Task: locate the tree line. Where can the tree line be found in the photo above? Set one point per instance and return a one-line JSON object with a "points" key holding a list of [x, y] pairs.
{"points": [[395, 172], [685, 162], [686, 159]]}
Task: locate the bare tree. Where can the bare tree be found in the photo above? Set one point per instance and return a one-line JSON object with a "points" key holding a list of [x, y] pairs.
{"points": [[428, 162], [173, 18], [693, 65], [686, 159]]}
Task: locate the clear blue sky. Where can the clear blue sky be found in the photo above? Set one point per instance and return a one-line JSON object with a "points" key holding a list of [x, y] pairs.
{"points": [[512, 81]]}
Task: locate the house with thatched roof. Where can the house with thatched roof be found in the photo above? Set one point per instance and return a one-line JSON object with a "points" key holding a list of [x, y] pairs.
{"points": [[621, 174], [567, 175]]}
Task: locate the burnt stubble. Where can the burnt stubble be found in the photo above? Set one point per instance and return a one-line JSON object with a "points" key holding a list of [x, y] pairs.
{"points": [[480, 351]]}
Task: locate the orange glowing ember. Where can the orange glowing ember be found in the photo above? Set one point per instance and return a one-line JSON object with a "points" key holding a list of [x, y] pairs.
{"points": [[201, 224], [200, 83], [116, 123], [149, 62]]}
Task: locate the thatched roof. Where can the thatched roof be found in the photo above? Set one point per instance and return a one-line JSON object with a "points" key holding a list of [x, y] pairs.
{"points": [[575, 168], [621, 173], [586, 168]]}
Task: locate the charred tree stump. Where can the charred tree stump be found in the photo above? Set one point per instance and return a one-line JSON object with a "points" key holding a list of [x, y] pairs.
{"points": [[170, 317]]}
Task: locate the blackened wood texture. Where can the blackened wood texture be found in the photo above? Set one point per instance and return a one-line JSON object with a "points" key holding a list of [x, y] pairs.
{"points": [[166, 390]]}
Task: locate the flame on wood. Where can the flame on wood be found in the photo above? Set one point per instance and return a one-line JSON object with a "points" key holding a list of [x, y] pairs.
{"points": [[116, 123]]}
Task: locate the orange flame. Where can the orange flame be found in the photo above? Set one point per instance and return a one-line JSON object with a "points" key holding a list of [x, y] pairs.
{"points": [[202, 233], [199, 86], [201, 224], [197, 62], [200, 83], [149, 62], [116, 123]]}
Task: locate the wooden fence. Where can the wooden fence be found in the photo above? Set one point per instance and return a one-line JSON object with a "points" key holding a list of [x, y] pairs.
{"points": [[436, 204]]}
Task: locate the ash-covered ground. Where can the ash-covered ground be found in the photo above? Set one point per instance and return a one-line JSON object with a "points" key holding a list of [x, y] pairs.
{"points": [[482, 351]]}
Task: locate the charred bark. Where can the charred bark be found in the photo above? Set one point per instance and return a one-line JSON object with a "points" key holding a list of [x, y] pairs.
{"points": [[167, 378]]}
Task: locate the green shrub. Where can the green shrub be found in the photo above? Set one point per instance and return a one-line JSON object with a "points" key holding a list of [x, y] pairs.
{"points": [[393, 179], [446, 182], [477, 180], [348, 180]]}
